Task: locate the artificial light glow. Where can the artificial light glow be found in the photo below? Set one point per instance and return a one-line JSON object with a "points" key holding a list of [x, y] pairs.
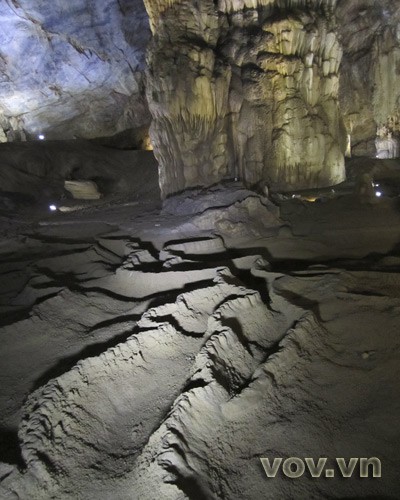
{"points": [[41, 137], [53, 208], [378, 194]]}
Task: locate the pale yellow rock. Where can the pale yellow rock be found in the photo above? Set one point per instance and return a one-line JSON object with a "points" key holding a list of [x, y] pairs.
{"points": [[83, 190], [235, 92], [155, 8]]}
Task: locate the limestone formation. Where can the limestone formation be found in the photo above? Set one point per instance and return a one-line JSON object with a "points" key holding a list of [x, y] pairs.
{"points": [[83, 190], [147, 356], [188, 87], [74, 70], [387, 146], [364, 188], [245, 89], [369, 77], [71, 68]]}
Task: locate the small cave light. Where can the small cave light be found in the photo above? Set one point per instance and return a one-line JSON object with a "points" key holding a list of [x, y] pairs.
{"points": [[378, 194], [41, 137], [52, 208]]}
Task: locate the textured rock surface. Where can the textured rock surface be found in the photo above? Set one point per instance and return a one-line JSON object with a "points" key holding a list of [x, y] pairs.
{"points": [[161, 357], [77, 70], [275, 119], [370, 78], [83, 190], [248, 90], [40, 169], [71, 68]]}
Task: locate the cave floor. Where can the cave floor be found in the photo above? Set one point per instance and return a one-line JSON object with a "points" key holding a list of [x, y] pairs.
{"points": [[160, 352]]}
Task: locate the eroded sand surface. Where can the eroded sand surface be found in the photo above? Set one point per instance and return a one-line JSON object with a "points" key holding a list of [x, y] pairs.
{"points": [[150, 353]]}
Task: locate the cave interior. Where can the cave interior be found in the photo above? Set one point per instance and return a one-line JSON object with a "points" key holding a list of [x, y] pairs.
{"points": [[199, 249]]}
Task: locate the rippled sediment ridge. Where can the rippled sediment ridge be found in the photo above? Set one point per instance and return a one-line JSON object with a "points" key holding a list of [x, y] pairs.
{"points": [[164, 354]]}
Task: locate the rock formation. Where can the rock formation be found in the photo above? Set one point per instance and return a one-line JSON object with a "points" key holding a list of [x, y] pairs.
{"points": [[71, 68], [369, 77], [234, 78], [166, 351], [83, 190], [245, 89], [387, 146], [152, 355], [38, 170]]}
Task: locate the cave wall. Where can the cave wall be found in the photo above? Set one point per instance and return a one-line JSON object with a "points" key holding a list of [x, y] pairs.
{"points": [[188, 88], [370, 72], [245, 89], [254, 89], [71, 68]]}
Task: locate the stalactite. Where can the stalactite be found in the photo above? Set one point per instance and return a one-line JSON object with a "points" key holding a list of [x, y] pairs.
{"points": [[237, 92]]}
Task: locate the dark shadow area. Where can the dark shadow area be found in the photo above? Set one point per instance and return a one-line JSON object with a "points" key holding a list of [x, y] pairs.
{"points": [[10, 451], [370, 497], [75, 227], [301, 301], [368, 263]]}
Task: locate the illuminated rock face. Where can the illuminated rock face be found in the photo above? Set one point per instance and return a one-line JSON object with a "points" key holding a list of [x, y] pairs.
{"points": [[245, 89], [71, 68], [386, 145], [370, 77], [188, 88]]}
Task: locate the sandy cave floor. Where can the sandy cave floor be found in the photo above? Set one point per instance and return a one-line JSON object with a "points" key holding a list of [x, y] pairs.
{"points": [[152, 352]]}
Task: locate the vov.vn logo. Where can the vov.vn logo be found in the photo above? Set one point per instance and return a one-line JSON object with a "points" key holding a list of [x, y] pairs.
{"points": [[294, 467]]}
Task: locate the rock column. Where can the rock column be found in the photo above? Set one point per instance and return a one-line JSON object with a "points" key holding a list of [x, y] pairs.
{"points": [[245, 89]]}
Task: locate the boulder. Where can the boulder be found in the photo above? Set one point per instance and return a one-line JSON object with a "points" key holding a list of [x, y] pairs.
{"points": [[83, 190]]}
